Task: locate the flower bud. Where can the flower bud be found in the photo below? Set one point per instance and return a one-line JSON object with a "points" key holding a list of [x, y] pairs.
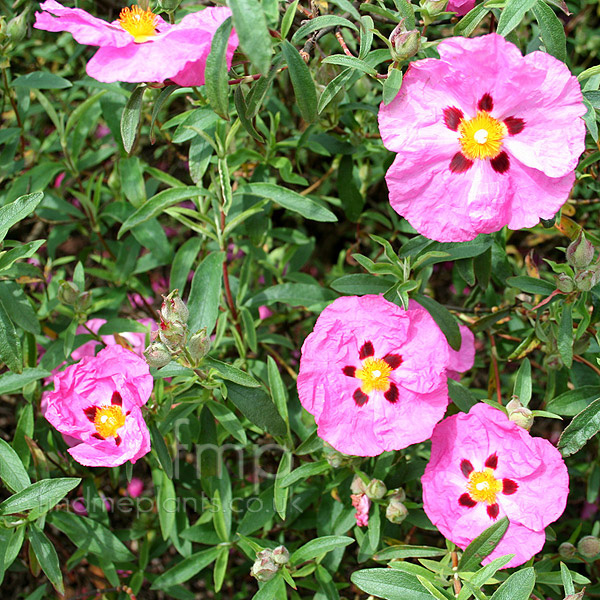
{"points": [[358, 486], [157, 355], [565, 283], [84, 301], [199, 345], [577, 596], [404, 43], [281, 555], [173, 309], [17, 28], [567, 550], [430, 9], [135, 487], [396, 512], [68, 293], [376, 489], [523, 417], [264, 569], [585, 280], [589, 546], [580, 253], [172, 334]]}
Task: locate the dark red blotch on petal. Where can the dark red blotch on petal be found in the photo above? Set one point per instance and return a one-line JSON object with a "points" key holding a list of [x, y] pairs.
{"points": [[466, 500], [452, 117], [460, 163], [366, 350], [486, 103], [360, 397], [393, 360], [501, 163], [514, 125], [392, 394], [492, 461], [509, 486], [493, 510], [116, 399], [466, 467], [97, 436], [118, 440], [349, 371], [90, 413]]}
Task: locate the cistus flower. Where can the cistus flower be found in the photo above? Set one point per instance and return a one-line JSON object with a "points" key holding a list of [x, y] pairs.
{"points": [[362, 504], [374, 375], [483, 467], [485, 137], [140, 46], [97, 402]]}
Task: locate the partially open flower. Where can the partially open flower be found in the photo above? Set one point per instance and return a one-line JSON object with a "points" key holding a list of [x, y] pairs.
{"points": [[362, 503]]}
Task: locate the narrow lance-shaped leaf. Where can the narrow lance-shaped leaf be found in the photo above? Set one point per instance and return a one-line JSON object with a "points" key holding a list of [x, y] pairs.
{"points": [[217, 88], [130, 120], [16, 211], [302, 81], [251, 27], [551, 30], [583, 427], [47, 557], [513, 14], [482, 545]]}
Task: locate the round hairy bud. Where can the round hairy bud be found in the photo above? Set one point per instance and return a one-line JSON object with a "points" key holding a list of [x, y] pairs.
{"points": [[68, 293], [173, 309], [281, 555], [157, 355], [585, 280], [264, 568], [396, 512], [580, 253], [589, 546], [199, 345], [172, 334], [565, 283], [358, 486], [17, 28], [376, 489], [523, 417], [567, 550], [404, 43]]}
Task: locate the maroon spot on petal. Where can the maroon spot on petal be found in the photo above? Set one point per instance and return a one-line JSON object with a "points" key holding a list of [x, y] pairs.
{"points": [[466, 500], [492, 461], [509, 486], [118, 440], [349, 371], [116, 399], [452, 117], [501, 163], [493, 510], [392, 394], [514, 125], [127, 413], [90, 413], [466, 467], [97, 436], [460, 163], [393, 360], [360, 397], [486, 103], [366, 350]]}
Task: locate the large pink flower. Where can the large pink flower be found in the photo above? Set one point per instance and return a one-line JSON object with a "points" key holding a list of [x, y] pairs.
{"points": [[484, 467], [97, 401], [140, 46], [485, 138], [374, 375]]}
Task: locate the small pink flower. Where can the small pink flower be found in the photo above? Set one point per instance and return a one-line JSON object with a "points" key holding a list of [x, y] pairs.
{"points": [[264, 312], [140, 46], [78, 506], [485, 136], [484, 467], [101, 131], [374, 375], [97, 402], [59, 179], [460, 7], [362, 504], [135, 487]]}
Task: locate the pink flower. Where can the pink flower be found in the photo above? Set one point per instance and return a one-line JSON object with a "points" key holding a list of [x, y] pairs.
{"points": [[135, 487], [264, 312], [484, 467], [463, 359], [374, 375], [485, 138], [97, 402], [460, 7], [140, 46], [362, 504]]}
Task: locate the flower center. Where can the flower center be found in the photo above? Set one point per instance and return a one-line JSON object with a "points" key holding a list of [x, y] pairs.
{"points": [[481, 137], [483, 486], [374, 374], [108, 420], [141, 24]]}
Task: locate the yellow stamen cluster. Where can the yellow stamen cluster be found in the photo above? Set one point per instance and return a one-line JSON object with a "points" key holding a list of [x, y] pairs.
{"points": [[483, 486], [481, 137], [375, 375], [108, 420], [141, 24]]}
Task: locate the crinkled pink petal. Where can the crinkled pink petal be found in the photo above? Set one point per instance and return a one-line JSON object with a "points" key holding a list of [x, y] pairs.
{"points": [[460, 7], [462, 360], [362, 503]]}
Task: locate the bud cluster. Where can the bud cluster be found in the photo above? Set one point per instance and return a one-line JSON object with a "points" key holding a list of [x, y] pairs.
{"points": [[396, 512], [585, 275], [268, 562], [70, 294]]}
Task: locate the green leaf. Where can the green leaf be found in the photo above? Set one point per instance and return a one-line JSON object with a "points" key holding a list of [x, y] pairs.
{"points": [[22, 251], [40, 496], [205, 295], [131, 117], [40, 80], [280, 492], [567, 579], [15, 382], [468, 24], [337, 85], [182, 264], [523, 383], [319, 546], [165, 503], [230, 373], [158, 204], [251, 27], [18, 307], [241, 107], [583, 427], [406, 551], [159, 446], [158, 104], [461, 396], [228, 420], [390, 584], [255, 519], [321, 23], [572, 402], [513, 14], [517, 587], [302, 82], [349, 193], [483, 545], [278, 390], [304, 471], [391, 86], [272, 590], [294, 294], [46, 556], [351, 62], [288, 18], [308, 208], [257, 407], [12, 471], [551, 30], [186, 569], [531, 285], [480, 577], [217, 88], [10, 343], [12, 213], [565, 336], [442, 316], [362, 283]]}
